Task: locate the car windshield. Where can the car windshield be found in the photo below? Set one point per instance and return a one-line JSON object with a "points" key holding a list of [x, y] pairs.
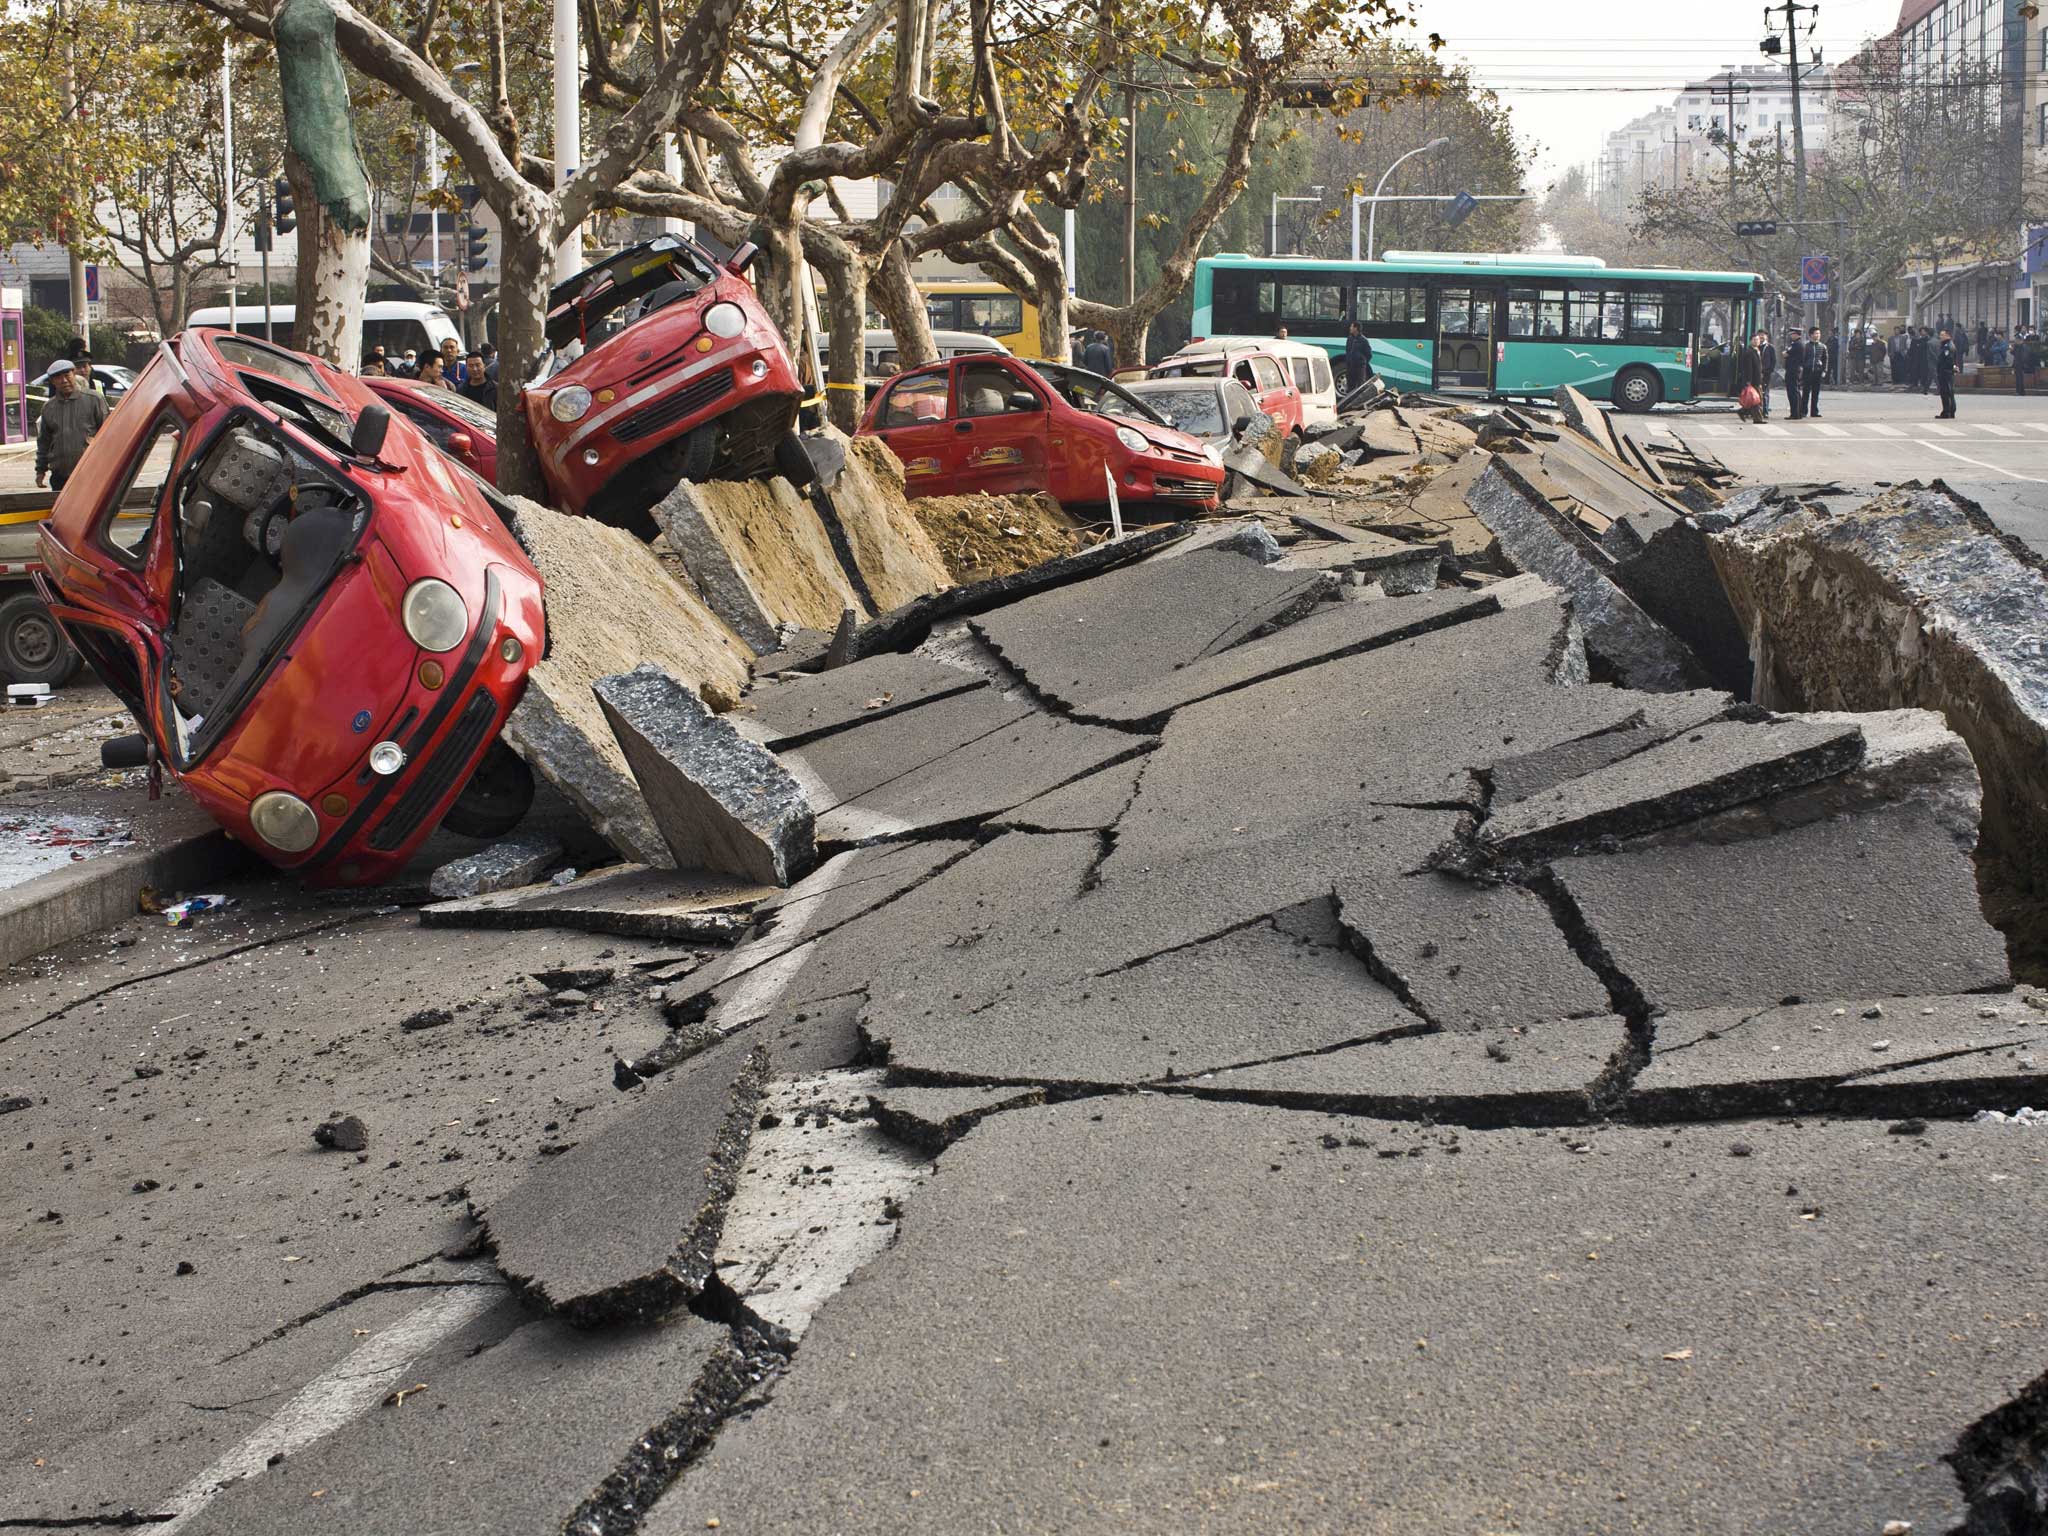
{"points": [[1191, 409], [1091, 392], [577, 307], [469, 410], [244, 353]]}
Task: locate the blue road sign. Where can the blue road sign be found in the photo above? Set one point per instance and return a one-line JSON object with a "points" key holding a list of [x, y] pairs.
{"points": [[1814, 286]]}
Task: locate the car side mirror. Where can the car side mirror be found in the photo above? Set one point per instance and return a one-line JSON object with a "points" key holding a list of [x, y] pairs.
{"points": [[1022, 400], [460, 444], [744, 257], [372, 423]]}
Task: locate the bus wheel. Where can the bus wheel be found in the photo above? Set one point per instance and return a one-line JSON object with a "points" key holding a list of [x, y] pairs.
{"points": [[1637, 388], [32, 648]]}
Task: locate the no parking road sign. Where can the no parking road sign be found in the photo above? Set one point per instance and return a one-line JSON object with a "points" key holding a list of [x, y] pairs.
{"points": [[1814, 287]]}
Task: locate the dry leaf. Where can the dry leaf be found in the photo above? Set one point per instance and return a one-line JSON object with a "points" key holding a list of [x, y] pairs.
{"points": [[398, 1397], [1679, 1354]]}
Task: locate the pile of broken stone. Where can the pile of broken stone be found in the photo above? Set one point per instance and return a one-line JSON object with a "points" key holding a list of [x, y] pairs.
{"points": [[1351, 1034]]}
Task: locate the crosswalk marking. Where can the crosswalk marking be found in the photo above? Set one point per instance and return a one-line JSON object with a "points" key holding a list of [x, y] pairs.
{"points": [[1995, 431], [1882, 429], [1999, 469], [1828, 429], [1767, 430], [1941, 429]]}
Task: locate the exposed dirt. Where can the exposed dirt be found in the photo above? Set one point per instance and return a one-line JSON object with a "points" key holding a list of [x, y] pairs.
{"points": [[982, 536]]}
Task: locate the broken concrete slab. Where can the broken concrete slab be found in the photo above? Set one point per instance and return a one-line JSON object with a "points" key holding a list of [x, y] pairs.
{"points": [[847, 764], [1664, 715], [611, 606], [1345, 629], [1435, 1415], [1401, 569], [1694, 774], [507, 1423], [892, 558], [1468, 957], [1532, 1076], [1915, 598], [1244, 536], [819, 1195], [1890, 1057], [630, 900], [1581, 415], [1625, 641], [760, 554], [932, 1119], [798, 708], [903, 628], [1140, 623], [1264, 993], [1091, 803], [1661, 560], [622, 1227], [1885, 904], [517, 860], [974, 782], [723, 803]]}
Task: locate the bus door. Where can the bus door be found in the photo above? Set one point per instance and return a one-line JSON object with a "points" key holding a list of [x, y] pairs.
{"points": [[1465, 331], [1717, 337]]}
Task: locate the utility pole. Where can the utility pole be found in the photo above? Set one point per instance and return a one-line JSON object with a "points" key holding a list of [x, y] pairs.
{"points": [[1675, 178], [1792, 8], [568, 141], [1728, 128], [230, 231], [81, 317]]}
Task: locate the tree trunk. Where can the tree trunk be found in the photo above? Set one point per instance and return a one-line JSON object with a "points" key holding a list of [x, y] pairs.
{"points": [[902, 306], [782, 252], [846, 319], [334, 221], [522, 318], [1127, 326]]}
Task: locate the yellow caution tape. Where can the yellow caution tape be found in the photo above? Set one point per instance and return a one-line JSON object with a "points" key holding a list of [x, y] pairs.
{"points": [[831, 384], [7, 518]]}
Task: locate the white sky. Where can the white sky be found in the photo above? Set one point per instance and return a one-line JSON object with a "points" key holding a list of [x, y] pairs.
{"points": [[1572, 70]]}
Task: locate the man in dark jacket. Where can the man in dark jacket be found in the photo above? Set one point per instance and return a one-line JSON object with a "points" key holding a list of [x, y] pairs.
{"points": [[70, 418], [1098, 357], [1357, 359], [2022, 359], [1945, 370], [1923, 359], [1815, 369], [1795, 375]]}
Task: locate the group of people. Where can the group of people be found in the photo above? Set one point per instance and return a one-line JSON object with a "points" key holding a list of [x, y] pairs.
{"points": [[1809, 361], [1091, 350], [474, 376], [1913, 354]]}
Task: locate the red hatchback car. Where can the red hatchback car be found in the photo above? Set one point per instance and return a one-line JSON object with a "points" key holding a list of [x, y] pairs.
{"points": [[320, 624], [1001, 425], [697, 386], [457, 425]]}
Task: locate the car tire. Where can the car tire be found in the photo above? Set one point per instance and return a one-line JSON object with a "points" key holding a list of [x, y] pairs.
{"points": [[696, 454], [32, 644], [1637, 388], [793, 461], [496, 798]]}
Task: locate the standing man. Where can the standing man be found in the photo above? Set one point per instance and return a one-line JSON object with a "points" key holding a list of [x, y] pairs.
{"points": [[1099, 358], [2022, 358], [68, 423], [1769, 365], [1945, 370], [1816, 370], [1357, 359], [1923, 359], [477, 384], [1795, 375]]}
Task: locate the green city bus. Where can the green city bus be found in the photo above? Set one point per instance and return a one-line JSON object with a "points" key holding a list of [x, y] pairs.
{"points": [[1492, 324]]}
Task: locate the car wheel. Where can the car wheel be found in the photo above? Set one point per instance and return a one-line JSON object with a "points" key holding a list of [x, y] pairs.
{"points": [[696, 453], [1638, 388], [793, 461], [496, 798], [32, 644]]}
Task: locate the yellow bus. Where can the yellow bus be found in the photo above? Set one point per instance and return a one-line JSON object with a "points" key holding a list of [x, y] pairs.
{"points": [[986, 309]]}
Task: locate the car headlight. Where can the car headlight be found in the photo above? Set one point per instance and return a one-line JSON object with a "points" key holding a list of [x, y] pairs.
{"points": [[1135, 441], [725, 319], [569, 403], [284, 821], [433, 615]]}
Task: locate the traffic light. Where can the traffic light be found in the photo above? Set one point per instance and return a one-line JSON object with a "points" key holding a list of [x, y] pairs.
{"points": [[479, 248], [284, 218], [1751, 229]]}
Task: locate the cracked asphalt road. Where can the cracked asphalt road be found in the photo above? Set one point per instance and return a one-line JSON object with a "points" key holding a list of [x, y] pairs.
{"points": [[1241, 1133]]}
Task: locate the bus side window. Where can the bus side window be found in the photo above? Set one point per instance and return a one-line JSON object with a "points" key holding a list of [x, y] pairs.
{"points": [[1521, 312]]}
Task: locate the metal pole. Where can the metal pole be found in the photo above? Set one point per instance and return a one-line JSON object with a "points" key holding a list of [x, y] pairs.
{"points": [[267, 335], [1372, 220], [433, 208], [1730, 127], [227, 179], [1131, 197], [1273, 227], [81, 317], [672, 166], [1067, 246], [568, 128], [1798, 126]]}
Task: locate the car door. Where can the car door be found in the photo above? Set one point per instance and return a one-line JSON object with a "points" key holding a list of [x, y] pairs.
{"points": [[999, 423], [1278, 397], [911, 418]]}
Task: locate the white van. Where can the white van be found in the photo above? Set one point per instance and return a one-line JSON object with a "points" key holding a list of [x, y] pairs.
{"points": [[1309, 363], [393, 324]]}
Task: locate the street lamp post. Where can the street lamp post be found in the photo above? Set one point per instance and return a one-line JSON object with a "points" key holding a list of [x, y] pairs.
{"points": [[1372, 219], [1273, 219]]}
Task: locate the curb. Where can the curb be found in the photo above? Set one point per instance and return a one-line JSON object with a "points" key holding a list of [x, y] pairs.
{"points": [[93, 894]]}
